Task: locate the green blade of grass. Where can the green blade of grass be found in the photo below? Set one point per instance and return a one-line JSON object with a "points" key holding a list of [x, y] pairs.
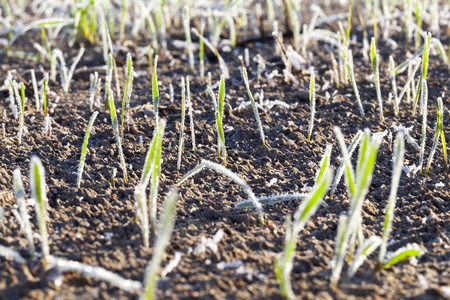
{"points": [[409, 250], [84, 148], [115, 126]]}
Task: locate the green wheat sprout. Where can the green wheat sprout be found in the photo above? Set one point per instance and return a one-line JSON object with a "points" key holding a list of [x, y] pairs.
{"points": [[127, 93], [20, 196], [155, 92], [423, 75], [410, 250], [399, 153], [255, 108], [92, 89], [20, 104], [191, 112], [376, 75], [353, 82], [183, 117], [115, 126], [187, 31], [218, 106], [84, 148], [38, 190], [439, 131], [312, 102], [424, 97], [164, 231]]}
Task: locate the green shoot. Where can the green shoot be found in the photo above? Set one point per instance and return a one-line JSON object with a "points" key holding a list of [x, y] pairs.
{"points": [[155, 92], [423, 75], [424, 122], [44, 93], [402, 67], [409, 250], [353, 82], [399, 153], [441, 49], [187, 31], [222, 63], [272, 199], [113, 61], [165, 228], [255, 108], [20, 104], [376, 75], [84, 148], [37, 185], [218, 106], [312, 102], [35, 89], [340, 171], [191, 112], [358, 182], [108, 79], [439, 131], [183, 116], [309, 206], [92, 89], [227, 172], [127, 94], [150, 60], [365, 250], [393, 83], [152, 169], [20, 196], [142, 212], [115, 125]]}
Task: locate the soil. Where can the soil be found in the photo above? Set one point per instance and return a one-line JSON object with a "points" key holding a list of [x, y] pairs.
{"points": [[94, 224]]}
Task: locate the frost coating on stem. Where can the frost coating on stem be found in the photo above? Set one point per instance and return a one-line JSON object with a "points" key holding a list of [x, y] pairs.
{"points": [[399, 153], [376, 75], [424, 122], [224, 171], [84, 148], [115, 125], [439, 131], [10, 253], [183, 116], [255, 109], [95, 272], [164, 232], [92, 89], [312, 102], [142, 212], [37, 185], [20, 196], [365, 250], [191, 112], [272, 199], [355, 87]]}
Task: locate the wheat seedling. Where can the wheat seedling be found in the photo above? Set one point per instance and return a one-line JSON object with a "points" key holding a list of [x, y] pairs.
{"points": [[399, 153], [92, 89], [353, 82], [202, 52], [227, 172], [410, 250], [354, 143], [376, 75], [255, 108], [165, 229], [155, 92], [127, 93], [358, 181], [439, 130], [183, 116], [312, 102], [20, 196], [393, 83], [191, 112], [35, 89], [309, 206], [108, 79], [423, 75], [115, 125], [218, 106], [20, 104], [142, 212], [37, 185], [152, 169], [84, 148], [424, 97]]}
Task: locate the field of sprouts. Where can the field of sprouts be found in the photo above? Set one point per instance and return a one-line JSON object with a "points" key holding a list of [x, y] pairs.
{"points": [[231, 150]]}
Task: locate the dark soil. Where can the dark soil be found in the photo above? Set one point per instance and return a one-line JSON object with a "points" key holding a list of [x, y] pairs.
{"points": [[94, 224]]}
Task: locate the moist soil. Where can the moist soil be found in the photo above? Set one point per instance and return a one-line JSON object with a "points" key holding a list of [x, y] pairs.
{"points": [[94, 224]]}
